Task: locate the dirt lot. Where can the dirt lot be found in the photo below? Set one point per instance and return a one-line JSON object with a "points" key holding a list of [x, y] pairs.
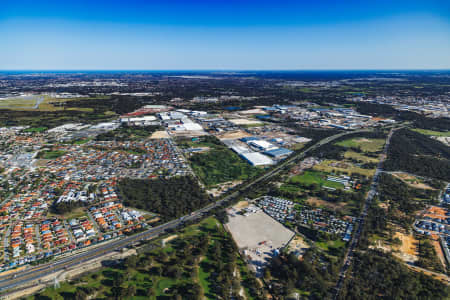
{"points": [[412, 181], [408, 249], [438, 248], [319, 202], [298, 245], [160, 135], [233, 135], [241, 205], [223, 187], [245, 121]]}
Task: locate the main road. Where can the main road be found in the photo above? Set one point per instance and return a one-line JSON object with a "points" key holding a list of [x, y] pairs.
{"points": [[24, 277]]}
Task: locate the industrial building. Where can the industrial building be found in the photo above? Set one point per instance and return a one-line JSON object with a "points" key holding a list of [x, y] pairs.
{"points": [[257, 159]]}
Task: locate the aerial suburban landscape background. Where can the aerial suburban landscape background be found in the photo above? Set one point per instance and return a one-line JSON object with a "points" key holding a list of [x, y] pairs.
{"points": [[234, 150]]}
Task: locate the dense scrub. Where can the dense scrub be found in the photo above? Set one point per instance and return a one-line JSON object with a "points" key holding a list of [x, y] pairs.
{"points": [[378, 275], [314, 274], [416, 153], [170, 198], [220, 164], [418, 120]]}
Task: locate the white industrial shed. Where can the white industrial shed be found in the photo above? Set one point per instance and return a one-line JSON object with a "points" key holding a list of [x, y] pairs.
{"points": [[257, 159]]}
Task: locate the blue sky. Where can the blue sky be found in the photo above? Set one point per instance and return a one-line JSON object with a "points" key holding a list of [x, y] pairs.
{"points": [[237, 35]]}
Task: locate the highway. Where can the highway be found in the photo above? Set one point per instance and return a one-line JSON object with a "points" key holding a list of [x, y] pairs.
{"points": [[360, 222], [31, 274]]}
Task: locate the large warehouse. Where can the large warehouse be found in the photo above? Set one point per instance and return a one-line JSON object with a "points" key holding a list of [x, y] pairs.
{"points": [[257, 159]]}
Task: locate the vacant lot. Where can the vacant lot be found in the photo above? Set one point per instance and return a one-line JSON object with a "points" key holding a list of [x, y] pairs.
{"points": [[412, 180], [334, 166], [407, 251], [313, 177], [314, 201], [363, 144], [258, 234], [51, 154], [245, 122], [360, 157]]}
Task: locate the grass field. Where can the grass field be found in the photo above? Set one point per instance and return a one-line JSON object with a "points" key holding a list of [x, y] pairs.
{"points": [[312, 177], [331, 244], [48, 104], [364, 144], [431, 132], [36, 129], [359, 157], [334, 166], [51, 154]]}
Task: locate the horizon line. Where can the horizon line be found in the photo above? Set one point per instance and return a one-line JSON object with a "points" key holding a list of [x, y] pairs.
{"points": [[220, 70]]}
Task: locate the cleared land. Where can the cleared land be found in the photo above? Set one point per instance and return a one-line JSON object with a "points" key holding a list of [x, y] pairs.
{"points": [[360, 157], [412, 180], [312, 177], [233, 135], [314, 201], [364, 144], [258, 234], [245, 122], [161, 134], [407, 251], [44, 103], [432, 133], [334, 166]]}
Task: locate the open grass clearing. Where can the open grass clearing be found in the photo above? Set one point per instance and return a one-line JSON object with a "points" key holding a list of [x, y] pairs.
{"points": [[364, 144], [360, 157], [313, 177], [335, 166], [412, 180], [432, 132]]}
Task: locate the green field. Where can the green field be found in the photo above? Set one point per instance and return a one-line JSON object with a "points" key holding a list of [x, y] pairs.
{"points": [[334, 166], [431, 132], [51, 154], [363, 144], [312, 177], [36, 129], [359, 157]]}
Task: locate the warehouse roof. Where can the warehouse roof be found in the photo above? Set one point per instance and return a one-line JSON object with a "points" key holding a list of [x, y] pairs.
{"points": [[257, 159]]}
